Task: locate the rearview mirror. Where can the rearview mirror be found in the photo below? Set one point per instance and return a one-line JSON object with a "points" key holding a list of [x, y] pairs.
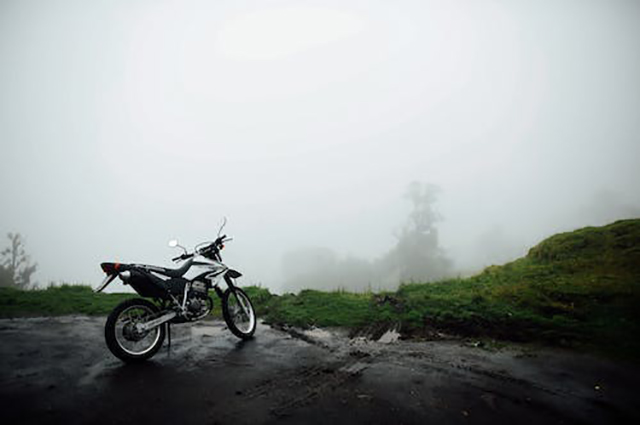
{"points": [[173, 243]]}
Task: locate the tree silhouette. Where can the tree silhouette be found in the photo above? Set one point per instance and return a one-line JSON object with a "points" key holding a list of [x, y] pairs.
{"points": [[16, 266], [417, 256]]}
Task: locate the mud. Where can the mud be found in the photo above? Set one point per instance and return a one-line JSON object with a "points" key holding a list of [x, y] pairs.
{"points": [[58, 370]]}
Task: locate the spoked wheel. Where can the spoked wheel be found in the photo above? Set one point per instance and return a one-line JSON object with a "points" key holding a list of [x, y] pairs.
{"points": [[238, 313], [124, 337]]}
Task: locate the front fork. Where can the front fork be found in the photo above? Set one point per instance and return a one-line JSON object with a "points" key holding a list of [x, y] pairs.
{"points": [[219, 292], [232, 288]]}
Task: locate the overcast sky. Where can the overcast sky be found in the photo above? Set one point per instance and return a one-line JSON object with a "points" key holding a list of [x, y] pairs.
{"points": [[124, 124]]}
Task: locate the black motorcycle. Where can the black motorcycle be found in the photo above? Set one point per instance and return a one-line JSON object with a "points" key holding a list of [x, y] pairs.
{"points": [[136, 328]]}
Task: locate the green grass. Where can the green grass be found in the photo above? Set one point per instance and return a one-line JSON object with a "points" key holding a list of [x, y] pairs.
{"points": [[317, 308], [80, 299], [57, 301], [579, 288]]}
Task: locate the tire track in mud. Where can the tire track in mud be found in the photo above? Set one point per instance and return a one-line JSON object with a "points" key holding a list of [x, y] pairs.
{"points": [[453, 368], [469, 374], [309, 382], [313, 382]]}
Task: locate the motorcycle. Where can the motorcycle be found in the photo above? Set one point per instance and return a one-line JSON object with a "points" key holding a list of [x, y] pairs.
{"points": [[136, 328]]}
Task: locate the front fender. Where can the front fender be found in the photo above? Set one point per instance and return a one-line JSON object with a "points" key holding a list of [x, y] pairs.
{"points": [[234, 274], [230, 275]]}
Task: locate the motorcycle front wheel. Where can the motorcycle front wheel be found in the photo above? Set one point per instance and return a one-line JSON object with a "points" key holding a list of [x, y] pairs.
{"points": [[238, 312], [122, 336]]}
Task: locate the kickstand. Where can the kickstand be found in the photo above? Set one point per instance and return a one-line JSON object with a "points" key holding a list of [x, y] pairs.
{"points": [[169, 338]]}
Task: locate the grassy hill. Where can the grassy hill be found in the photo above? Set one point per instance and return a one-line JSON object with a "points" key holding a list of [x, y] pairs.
{"points": [[574, 288], [580, 287]]}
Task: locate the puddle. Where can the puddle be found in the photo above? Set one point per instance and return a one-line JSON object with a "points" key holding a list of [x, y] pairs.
{"points": [[206, 330], [340, 343]]}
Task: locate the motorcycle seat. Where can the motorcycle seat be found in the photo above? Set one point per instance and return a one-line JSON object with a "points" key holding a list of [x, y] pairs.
{"points": [[179, 272]]}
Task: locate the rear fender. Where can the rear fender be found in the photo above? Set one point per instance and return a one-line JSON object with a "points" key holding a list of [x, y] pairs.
{"points": [[107, 280]]}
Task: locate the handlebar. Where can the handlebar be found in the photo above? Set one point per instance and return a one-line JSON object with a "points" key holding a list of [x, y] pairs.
{"points": [[213, 247], [182, 257]]}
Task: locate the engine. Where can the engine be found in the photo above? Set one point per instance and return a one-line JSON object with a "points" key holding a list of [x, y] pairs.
{"points": [[199, 303]]}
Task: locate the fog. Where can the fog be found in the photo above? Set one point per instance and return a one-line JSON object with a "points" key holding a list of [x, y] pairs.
{"points": [[124, 124], [416, 256]]}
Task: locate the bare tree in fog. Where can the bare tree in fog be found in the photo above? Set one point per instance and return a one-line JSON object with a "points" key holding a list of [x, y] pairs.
{"points": [[16, 267], [417, 256]]}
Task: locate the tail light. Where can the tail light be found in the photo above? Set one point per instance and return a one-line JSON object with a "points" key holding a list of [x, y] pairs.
{"points": [[110, 268]]}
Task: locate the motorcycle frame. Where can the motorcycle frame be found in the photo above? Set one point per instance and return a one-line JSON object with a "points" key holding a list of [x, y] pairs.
{"points": [[217, 271]]}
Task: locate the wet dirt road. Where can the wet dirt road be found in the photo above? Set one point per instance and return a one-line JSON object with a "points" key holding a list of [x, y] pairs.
{"points": [[59, 371]]}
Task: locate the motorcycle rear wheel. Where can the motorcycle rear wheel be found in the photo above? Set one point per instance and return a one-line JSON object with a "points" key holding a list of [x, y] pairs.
{"points": [[122, 337]]}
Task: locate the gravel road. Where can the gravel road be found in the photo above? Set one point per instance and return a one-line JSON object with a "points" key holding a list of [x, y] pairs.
{"points": [[59, 371]]}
